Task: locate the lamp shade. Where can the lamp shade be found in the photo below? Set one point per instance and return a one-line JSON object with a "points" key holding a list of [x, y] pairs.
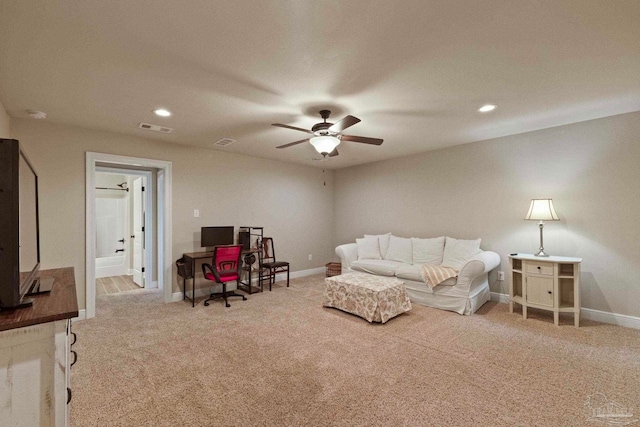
{"points": [[325, 143], [542, 210]]}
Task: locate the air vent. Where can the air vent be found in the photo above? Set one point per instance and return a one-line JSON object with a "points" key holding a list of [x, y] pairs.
{"points": [[224, 142], [155, 128]]}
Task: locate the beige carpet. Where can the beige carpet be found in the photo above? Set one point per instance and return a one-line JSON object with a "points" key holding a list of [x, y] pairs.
{"points": [[281, 359]]}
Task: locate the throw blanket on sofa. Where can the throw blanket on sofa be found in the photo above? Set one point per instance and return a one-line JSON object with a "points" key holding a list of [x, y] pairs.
{"points": [[433, 275]]}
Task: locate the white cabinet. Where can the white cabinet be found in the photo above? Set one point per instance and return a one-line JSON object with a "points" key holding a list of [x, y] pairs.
{"points": [[34, 371], [36, 356], [548, 283]]}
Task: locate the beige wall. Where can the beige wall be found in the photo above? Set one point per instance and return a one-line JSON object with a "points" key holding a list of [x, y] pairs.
{"points": [[5, 128], [483, 189], [290, 201]]}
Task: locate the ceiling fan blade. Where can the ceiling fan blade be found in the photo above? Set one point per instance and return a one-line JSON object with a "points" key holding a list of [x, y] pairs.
{"points": [[334, 153], [344, 123], [363, 139], [293, 143], [290, 127]]}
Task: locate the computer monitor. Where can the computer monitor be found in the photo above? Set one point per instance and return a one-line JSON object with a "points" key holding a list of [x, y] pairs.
{"points": [[216, 236]]}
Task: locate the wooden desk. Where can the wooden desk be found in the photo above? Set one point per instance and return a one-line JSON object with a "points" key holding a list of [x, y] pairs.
{"points": [[191, 258]]}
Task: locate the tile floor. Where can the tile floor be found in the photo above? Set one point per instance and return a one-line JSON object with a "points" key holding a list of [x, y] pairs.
{"points": [[115, 285]]}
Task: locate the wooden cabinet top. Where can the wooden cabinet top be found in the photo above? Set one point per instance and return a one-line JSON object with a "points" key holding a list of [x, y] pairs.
{"points": [[61, 303], [561, 259]]}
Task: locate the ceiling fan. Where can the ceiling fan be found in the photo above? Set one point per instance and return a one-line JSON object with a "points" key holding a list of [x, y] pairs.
{"points": [[327, 136]]}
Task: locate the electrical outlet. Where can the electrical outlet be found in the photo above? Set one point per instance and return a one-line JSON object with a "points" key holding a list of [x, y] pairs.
{"points": [[500, 275], [310, 257], [196, 213]]}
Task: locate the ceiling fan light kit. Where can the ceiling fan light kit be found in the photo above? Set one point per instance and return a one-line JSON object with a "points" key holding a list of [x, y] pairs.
{"points": [[327, 136], [324, 144]]}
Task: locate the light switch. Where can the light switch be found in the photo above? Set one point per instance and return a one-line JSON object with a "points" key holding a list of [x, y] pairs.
{"points": [[196, 213]]}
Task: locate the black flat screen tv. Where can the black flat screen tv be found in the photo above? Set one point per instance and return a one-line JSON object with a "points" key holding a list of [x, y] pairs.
{"points": [[216, 236], [19, 226]]}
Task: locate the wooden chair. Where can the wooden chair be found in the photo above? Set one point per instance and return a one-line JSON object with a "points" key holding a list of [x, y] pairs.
{"points": [[225, 267], [268, 264]]}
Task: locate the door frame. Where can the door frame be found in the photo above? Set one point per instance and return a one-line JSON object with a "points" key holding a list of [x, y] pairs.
{"points": [[164, 225], [148, 216]]}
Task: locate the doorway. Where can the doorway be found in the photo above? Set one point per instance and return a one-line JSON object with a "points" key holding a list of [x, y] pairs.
{"points": [[150, 263], [125, 230]]}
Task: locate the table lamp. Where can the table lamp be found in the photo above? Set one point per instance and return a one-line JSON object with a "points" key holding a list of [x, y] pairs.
{"points": [[541, 210]]}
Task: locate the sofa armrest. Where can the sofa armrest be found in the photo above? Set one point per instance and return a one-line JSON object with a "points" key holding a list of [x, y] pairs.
{"points": [[347, 253], [478, 265]]}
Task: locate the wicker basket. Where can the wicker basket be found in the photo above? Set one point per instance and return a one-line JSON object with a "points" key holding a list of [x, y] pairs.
{"points": [[334, 269]]}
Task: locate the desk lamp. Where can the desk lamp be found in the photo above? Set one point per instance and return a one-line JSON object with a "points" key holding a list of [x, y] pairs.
{"points": [[541, 210]]}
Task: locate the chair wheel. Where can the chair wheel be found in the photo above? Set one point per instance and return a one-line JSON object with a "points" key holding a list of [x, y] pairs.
{"points": [[228, 305], [206, 303], [244, 298]]}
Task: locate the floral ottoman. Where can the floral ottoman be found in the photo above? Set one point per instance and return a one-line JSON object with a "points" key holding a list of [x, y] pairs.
{"points": [[374, 298]]}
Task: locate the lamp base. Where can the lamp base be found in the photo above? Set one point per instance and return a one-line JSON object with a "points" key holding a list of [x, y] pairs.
{"points": [[541, 253]]}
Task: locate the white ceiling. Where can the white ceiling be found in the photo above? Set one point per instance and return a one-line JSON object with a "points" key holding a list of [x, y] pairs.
{"points": [[414, 71]]}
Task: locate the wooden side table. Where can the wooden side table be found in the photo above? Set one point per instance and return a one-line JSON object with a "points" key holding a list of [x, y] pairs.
{"points": [[548, 283]]}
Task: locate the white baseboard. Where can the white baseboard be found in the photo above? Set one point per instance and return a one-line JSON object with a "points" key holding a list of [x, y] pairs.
{"points": [[589, 314], [82, 315], [203, 291], [200, 292], [301, 273], [611, 318], [498, 297]]}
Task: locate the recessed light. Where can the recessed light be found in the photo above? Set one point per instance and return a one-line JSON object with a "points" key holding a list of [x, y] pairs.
{"points": [[39, 115], [162, 112], [487, 108]]}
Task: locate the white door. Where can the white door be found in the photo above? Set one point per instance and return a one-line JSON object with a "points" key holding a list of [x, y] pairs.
{"points": [[138, 231]]}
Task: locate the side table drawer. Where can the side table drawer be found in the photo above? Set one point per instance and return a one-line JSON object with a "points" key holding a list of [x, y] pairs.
{"points": [[544, 268]]}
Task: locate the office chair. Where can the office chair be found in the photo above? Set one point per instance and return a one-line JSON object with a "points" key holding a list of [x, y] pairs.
{"points": [[269, 266], [224, 268]]}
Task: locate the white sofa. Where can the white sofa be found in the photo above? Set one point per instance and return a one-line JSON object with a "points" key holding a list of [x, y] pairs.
{"points": [[464, 294]]}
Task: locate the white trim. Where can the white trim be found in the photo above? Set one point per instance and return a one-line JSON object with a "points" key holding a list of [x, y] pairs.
{"points": [[301, 273], [200, 292], [82, 315], [589, 314], [164, 179], [204, 290], [498, 297], [611, 318]]}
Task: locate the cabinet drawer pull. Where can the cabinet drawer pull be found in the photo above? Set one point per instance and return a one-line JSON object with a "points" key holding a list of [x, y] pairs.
{"points": [[69, 396], [550, 292], [75, 358], [75, 338]]}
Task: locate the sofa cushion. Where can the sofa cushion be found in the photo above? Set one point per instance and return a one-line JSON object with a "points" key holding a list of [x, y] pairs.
{"points": [[383, 240], [457, 252], [373, 266], [428, 251], [400, 250], [368, 248], [414, 273]]}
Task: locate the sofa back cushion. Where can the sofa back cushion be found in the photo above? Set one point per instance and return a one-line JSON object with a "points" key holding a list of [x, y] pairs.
{"points": [[383, 241], [457, 252], [428, 251], [368, 248], [400, 250]]}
